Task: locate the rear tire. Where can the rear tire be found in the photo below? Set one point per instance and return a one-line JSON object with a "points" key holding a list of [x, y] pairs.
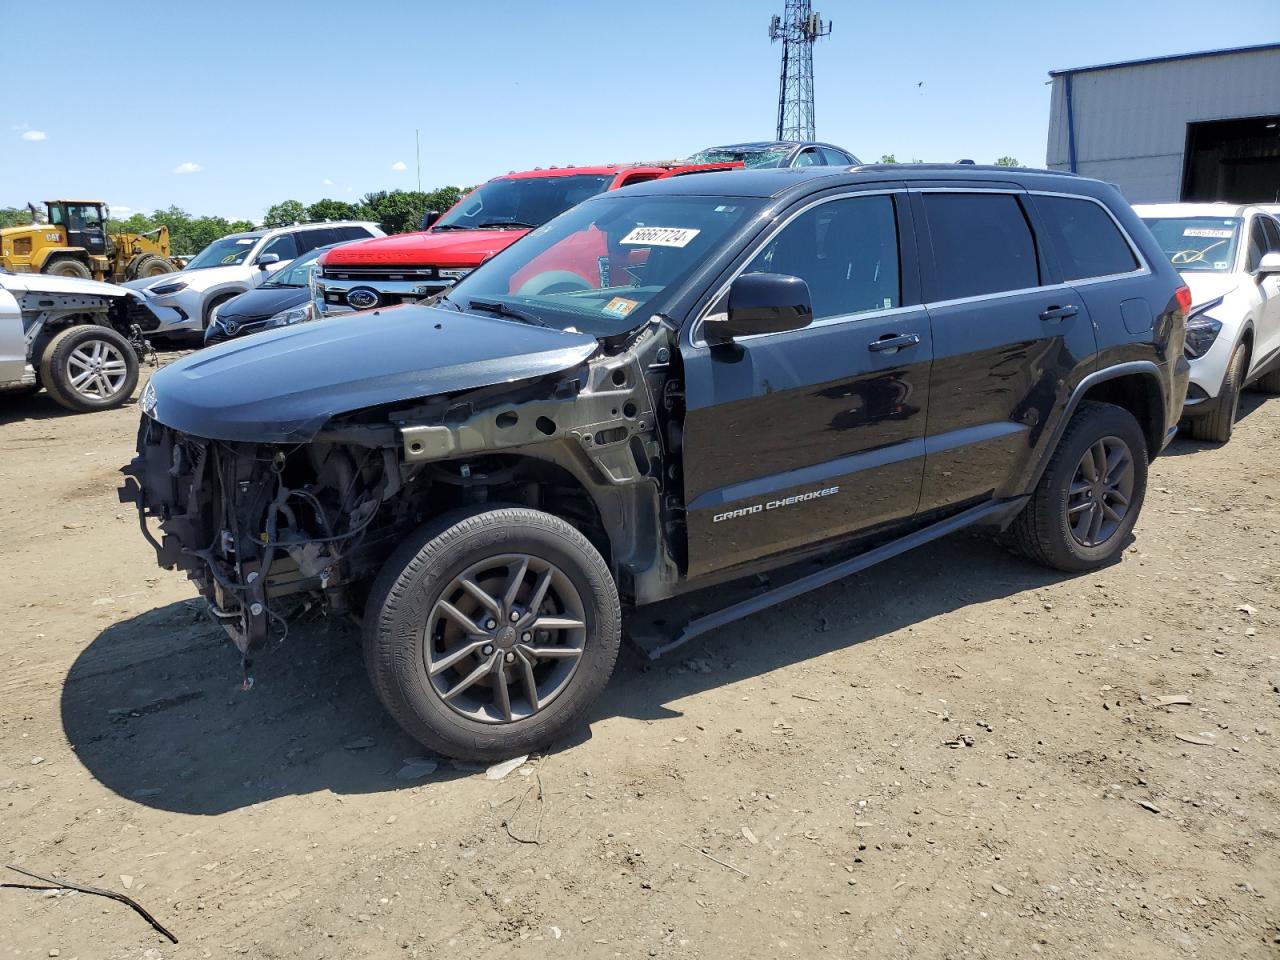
{"points": [[89, 367], [1053, 528], [1216, 427], [68, 267], [524, 676]]}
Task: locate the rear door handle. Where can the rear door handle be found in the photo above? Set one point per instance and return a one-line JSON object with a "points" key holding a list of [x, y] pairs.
{"points": [[1054, 314], [893, 341]]}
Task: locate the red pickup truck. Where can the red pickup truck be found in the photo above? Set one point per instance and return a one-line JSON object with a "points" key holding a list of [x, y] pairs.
{"points": [[411, 266]]}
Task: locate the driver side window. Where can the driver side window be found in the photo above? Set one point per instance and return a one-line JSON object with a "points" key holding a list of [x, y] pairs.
{"points": [[809, 158], [283, 246], [846, 250]]}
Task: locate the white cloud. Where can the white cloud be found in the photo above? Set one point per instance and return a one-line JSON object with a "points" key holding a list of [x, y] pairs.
{"points": [[399, 166], [327, 182], [119, 208], [188, 167], [34, 135]]}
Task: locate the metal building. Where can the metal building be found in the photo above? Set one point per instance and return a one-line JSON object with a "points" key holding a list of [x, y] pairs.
{"points": [[1195, 126]]}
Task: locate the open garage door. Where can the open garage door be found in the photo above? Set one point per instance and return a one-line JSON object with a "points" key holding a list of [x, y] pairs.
{"points": [[1233, 160]]}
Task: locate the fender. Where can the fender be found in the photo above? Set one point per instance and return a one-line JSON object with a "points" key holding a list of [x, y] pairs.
{"points": [[1146, 368], [42, 256]]}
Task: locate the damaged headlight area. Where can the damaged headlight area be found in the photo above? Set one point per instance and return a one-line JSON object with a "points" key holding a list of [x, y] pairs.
{"points": [[263, 530]]}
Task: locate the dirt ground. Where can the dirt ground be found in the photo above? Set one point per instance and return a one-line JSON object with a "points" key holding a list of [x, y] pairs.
{"points": [[954, 755]]}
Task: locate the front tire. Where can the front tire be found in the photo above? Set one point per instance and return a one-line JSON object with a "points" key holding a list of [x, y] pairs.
{"points": [[1216, 427], [1089, 497], [68, 267], [491, 632], [89, 367]]}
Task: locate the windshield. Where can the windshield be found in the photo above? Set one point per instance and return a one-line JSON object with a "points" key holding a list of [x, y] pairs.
{"points": [[521, 202], [1197, 244], [226, 252], [755, 157], [603, 267], [298, 272]]}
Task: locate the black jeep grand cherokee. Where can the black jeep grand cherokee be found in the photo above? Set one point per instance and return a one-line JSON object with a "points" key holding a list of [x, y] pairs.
{"points": [[666, 388]]}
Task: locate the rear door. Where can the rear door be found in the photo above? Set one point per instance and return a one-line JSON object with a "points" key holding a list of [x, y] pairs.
{"points": [[1264, 238], [812, 435], [1007, 339]]}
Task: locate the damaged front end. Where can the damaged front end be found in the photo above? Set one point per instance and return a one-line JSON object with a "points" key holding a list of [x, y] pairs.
{"points": [[267, 529]]}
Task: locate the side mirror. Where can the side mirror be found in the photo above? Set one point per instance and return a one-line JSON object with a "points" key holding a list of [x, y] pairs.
{"points": [[762, 303], [428, 218], [1268, 265], [267, 259]]}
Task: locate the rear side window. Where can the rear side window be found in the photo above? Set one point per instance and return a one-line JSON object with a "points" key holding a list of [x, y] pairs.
{"points": [[352, 233], [1272, 228], [1257, 245], [982, 244], [310, 239], [1087, 241], [835, 158], [846, 250]]}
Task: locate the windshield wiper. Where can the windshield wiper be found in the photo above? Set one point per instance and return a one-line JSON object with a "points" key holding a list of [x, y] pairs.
{"points": [[502, 310], [506, 225], [450, 226]]}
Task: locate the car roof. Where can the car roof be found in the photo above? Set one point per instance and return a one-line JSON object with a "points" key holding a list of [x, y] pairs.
{"points": [[771, 182], [1193, 209]]}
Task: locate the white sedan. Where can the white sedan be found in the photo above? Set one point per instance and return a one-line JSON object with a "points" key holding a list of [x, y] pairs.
{"points": [[1229, 256]]}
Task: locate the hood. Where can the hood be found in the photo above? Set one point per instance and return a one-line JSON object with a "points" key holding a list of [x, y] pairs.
{"points": [[262, 303], [47, 283], [199, 279], [281, 386], [1208, 286], [446, 248]]}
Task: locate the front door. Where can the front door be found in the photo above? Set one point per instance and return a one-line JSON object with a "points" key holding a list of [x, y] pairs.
{"points": [[1264, 238], [814, 434], [1006, 339]]}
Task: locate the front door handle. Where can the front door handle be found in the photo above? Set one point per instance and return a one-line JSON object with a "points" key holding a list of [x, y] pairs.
{"points": [[893, 341], [1054, 314]]}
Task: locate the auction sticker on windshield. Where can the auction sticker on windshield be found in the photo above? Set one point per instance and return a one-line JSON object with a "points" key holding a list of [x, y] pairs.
{"points": [[1211, 232], [620, 306], [660, 236]]}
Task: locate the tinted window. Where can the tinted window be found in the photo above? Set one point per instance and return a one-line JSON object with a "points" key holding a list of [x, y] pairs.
{"points": [[284, 246], [310, 239], [846, 250], [1086, 239], [1257, 245], [1272, 229], [981, 244], [352, 233], [835, 158]]}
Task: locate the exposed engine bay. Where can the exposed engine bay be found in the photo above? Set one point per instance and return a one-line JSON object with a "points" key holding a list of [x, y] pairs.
{"points": [[269, 530]]}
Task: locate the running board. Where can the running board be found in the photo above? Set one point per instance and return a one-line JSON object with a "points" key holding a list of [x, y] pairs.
{"points": [[802, 585]]}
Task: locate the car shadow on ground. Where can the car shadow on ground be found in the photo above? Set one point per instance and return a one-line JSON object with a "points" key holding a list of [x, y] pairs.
{"points": [[155, 711], [38, 406]]}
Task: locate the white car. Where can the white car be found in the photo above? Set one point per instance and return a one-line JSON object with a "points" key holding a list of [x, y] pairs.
{"points": [[1229, 256], [236, 264], [79, 339]]}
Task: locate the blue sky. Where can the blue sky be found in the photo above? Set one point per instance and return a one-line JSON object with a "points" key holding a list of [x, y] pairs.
{"points": [[225, 108]]}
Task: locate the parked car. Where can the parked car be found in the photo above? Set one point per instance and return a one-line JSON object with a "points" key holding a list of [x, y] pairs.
{"points": [[283, 299], [415, 266], [234, 264], [1230, 258], [777, 153], [770, 366], [79, 339]]}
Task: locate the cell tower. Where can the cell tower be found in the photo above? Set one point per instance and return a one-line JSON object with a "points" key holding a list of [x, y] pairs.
{"points": [[798, 28]]}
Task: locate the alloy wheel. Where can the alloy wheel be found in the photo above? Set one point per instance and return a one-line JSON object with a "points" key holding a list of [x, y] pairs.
{"points": [[96, 369], [1100, 492], [504, 638]]}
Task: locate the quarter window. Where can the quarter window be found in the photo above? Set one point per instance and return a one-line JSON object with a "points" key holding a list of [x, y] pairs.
{"points": [[1087, 241], [982, 244], [846, 250]]}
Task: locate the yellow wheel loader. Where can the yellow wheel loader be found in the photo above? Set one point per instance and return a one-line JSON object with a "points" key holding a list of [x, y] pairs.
{"points": [[73, 241]]}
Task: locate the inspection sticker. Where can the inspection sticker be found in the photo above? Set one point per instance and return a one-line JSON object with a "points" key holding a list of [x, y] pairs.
{"points": [[660, 236], [620, 306], [1211, 232]]}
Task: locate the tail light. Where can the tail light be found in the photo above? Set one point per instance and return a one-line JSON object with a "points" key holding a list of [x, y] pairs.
{"points": [[1183, 296]]}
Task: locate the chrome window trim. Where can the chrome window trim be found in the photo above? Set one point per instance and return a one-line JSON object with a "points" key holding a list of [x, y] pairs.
{"points": [[695, 333]]}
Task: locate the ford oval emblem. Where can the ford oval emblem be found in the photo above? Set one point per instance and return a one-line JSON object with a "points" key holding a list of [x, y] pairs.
{"points": [[362, 298]]}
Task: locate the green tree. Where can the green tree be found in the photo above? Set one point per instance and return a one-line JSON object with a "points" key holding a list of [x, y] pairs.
{"points": [[401, 210], [1008, 162], [333, 210], [284, 213], [888, 158], [14, 216]]}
